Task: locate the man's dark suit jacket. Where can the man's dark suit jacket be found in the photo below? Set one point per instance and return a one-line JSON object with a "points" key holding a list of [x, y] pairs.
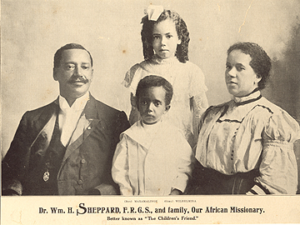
{"points": [[86, 165]]}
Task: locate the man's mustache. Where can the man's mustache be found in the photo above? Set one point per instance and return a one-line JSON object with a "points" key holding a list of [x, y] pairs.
{"points": [[82, 79]]}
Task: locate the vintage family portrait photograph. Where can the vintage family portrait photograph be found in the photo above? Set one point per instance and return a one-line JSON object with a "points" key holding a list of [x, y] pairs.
{"points": [[150, 111]]}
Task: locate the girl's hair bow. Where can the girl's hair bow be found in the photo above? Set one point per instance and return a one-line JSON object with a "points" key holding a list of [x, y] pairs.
{"points": [[154, 11]]}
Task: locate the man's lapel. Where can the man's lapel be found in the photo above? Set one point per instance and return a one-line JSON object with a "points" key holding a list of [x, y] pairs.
{"points": [[85, 126], [45, 125]]}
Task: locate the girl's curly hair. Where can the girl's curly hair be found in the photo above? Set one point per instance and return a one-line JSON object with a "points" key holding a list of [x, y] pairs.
{"points": [[182, 32]]}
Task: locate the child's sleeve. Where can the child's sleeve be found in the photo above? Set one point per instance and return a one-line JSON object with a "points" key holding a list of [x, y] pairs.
{"points": [[198, 97], [120, 167], [197, 82], [184, 164]]}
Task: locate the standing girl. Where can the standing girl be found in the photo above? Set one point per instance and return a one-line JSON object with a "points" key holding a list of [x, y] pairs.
{"points": [[165, 47]]}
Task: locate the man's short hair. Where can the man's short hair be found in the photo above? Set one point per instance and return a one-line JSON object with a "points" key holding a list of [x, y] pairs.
{"points": [[154, 81], [58, 53]]}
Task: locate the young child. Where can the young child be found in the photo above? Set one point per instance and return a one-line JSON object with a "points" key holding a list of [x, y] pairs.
{"points": [[165, 47], [153, 157]]}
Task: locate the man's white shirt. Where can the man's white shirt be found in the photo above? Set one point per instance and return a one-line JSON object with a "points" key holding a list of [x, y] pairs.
{"points": [[69, 116]]}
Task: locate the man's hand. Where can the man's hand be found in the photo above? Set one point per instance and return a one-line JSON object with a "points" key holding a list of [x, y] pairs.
{"points": [[175, 192], [9, 192]]}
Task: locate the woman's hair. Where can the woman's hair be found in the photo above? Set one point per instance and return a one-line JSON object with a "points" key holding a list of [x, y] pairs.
{"points": [[182, 32], [260, 61], [154, 81]]}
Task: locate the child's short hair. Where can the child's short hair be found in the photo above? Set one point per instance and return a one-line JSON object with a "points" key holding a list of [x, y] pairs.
{"points": [[182, 32], [154, 81]]}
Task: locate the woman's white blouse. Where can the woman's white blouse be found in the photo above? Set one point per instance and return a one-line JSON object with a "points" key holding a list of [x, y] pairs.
{"points": [[251, 133]]}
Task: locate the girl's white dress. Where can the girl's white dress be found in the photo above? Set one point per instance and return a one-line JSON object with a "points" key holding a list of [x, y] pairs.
{"points": [[152, 160], [251, 133], [189, 99]]}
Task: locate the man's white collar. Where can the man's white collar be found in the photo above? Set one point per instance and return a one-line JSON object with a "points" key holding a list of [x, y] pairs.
{"points": [[79, 103]]}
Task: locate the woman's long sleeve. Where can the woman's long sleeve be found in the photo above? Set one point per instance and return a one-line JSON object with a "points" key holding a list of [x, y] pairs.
{"points": [[278, 168]]}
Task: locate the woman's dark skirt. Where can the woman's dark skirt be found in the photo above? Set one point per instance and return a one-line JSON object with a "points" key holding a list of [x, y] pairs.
{"points": [[206, 181]]}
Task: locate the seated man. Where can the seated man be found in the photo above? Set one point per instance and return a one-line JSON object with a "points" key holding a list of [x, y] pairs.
{"points": [[66, 147]]}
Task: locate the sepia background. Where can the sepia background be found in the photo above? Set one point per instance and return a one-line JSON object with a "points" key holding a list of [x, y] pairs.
{"points": [[33, 30]]}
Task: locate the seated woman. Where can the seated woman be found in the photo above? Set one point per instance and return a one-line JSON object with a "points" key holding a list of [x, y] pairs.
{"points": [[245, 146]]}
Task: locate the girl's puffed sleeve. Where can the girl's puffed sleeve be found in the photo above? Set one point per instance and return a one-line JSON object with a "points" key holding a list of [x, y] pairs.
{"points": [[198, 97], [120, 167], [197, 81], [278, 168], [197, 89]]}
